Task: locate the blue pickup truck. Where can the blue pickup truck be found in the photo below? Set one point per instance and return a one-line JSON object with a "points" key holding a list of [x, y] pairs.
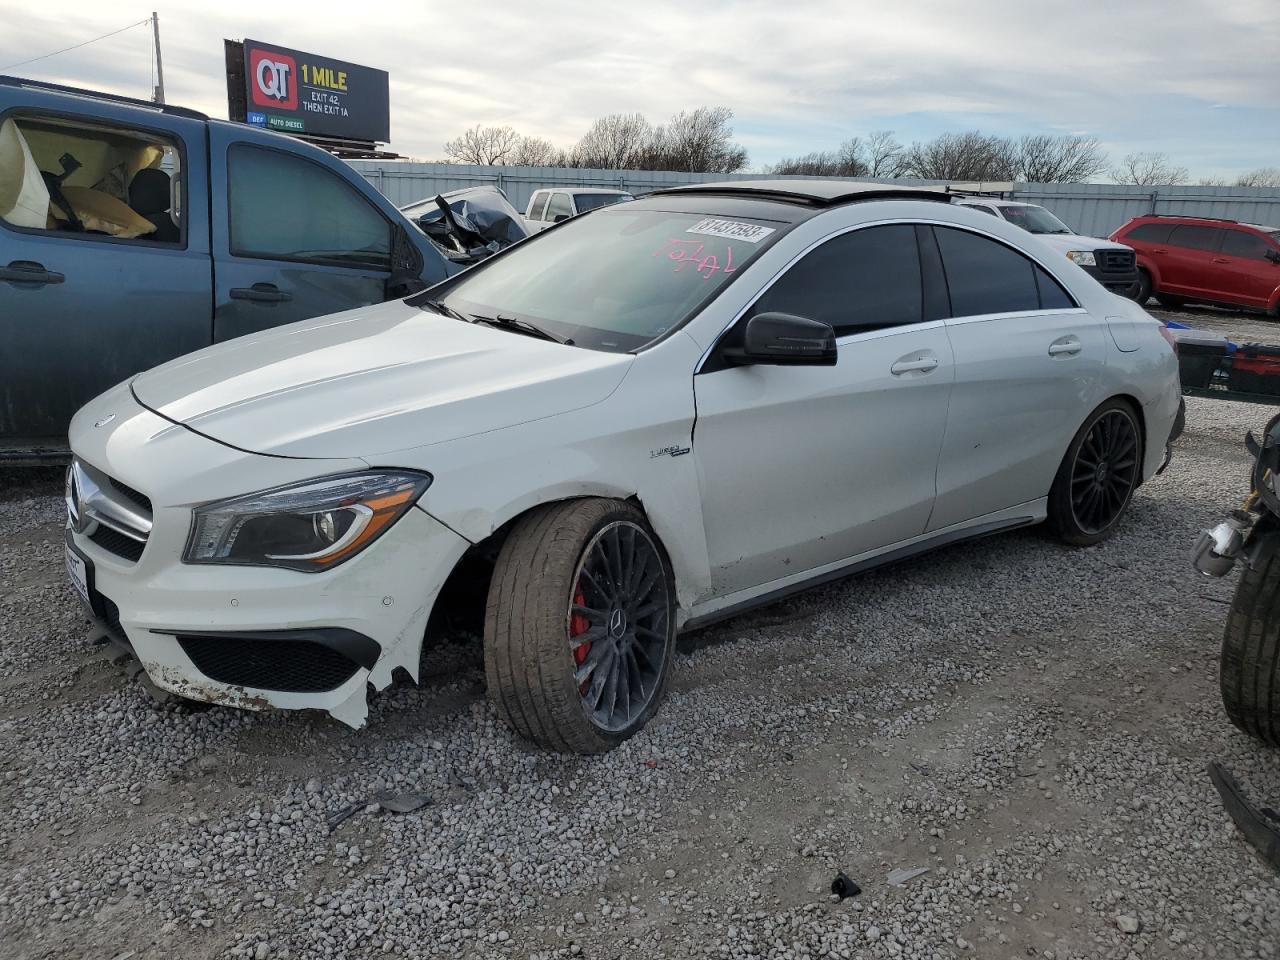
{"points": [[131, 233]]}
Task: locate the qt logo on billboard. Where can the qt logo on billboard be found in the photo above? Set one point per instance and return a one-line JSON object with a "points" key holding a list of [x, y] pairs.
{"points": [[274, 79]]}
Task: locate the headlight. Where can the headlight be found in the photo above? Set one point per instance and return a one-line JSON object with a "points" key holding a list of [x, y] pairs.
{"points": [[309, 526], [1084, 258]]}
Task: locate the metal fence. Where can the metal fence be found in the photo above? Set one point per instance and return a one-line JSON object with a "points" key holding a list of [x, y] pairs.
{"points": [[1091, 209]]}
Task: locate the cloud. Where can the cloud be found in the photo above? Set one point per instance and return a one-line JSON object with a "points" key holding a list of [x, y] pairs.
{"points": [[798, 77]]}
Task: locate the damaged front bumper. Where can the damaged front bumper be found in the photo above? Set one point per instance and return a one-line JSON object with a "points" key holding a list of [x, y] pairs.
{"points": [[257, 638]]}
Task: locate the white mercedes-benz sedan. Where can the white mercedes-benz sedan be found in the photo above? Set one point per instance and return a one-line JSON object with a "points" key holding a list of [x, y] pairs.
{"points": [[644, 419]]}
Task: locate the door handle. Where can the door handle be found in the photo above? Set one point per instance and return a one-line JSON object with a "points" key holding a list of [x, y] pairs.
{"points": [[923, 365], [1221, 260], [1065, 348], [1159, 251], [27, 271], [262, 292]]}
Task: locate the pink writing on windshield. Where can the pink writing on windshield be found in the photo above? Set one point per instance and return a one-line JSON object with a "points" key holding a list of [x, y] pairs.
{"points": [[686, 252]]}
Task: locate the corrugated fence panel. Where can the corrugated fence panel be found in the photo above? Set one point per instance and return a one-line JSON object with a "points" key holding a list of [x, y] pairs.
{"points": [[1091, 209]]}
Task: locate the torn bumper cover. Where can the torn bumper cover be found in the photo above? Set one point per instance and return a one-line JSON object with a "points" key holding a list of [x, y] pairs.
{"points": [[257, 638], [475, 222]]}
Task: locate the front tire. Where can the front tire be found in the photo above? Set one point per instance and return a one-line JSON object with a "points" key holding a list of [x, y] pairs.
{"points": [[580, 625], [1249, 672], [1098, 475]]}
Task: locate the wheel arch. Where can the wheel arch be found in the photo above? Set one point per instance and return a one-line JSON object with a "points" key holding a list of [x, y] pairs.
{"points": [[1140, 414]]}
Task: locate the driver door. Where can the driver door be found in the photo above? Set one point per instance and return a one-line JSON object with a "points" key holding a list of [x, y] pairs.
{"points": [[804, 466], [291, 238]]}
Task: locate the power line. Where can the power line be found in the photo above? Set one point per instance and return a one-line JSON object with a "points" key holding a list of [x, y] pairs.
{"points": [[77, 46]]}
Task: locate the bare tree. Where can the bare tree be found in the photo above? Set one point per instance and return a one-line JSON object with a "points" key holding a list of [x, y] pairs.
{"points": [[697, 141], [848, 160], [1262, 177], [962, 156], [537, 152], [884, 154], [1043, 158], [485, 145], [1149, 169], [618, 141]]}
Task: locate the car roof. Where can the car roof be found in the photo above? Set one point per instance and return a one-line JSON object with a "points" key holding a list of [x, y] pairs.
{"points": [[813, 193], [1000, 200], [588, 190]]}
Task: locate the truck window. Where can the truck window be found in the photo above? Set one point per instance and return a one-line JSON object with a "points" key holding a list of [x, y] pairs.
{"points": [[559, 206], [284, 207], [537, 205], [89, 181]]}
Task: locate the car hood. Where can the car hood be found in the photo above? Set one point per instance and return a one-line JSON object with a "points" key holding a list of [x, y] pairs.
{"points": [[1070, 241], [371, 381]]}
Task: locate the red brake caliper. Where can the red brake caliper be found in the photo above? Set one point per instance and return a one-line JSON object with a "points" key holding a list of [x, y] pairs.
{"points": [[578, 625]]}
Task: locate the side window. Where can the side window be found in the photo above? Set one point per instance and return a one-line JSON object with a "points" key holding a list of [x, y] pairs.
{"points": [[985, 276], [537, 205], [982, 209], [86, 180], [287, 208], [1150, 232], [1195, 238], [1237, 243], [1052, 295], [863, 280], [559, 206]]}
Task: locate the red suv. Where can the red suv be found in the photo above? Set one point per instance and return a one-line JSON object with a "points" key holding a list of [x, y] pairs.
{"points": [[1207, 260]]}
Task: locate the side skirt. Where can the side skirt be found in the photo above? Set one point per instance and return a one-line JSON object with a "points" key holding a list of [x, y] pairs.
{"points": [[861, 566]]}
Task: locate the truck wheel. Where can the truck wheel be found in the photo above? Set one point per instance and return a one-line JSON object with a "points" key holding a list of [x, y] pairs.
{"points": [[1143, 293], [580, 625], [1249, 674], [1098, 475]]}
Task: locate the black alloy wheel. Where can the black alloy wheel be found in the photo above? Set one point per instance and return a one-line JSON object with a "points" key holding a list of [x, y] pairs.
{"points": [[618, 625], [1105, 471]]}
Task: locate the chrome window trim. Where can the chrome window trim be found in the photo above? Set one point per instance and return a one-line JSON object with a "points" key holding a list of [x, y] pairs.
{"points": [[909, 221]]}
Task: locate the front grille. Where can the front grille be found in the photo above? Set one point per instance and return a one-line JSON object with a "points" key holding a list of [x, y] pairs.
{"points": [[1115, 261], [106, 507], [295, 666], [138, 499], [115, 542]]}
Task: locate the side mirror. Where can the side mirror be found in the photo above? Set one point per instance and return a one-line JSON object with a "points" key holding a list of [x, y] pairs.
{"points": [[406, 267], [560, 218], [1273, 256], [783, 339]]}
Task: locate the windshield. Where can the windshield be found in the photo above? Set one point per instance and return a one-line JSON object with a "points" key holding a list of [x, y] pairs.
{"points": [[615, 280], [591, 201], [1034, 219]]}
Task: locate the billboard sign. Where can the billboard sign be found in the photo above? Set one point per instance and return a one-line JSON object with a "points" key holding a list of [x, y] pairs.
{"points": [[312, 96]]}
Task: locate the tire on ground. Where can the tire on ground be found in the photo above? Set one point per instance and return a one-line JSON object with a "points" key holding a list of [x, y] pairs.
{"points": [[527, 654], [1061, 517], [1249, 672]]}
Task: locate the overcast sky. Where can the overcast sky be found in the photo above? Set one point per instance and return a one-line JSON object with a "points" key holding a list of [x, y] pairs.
{"points": [[1198, 79]]}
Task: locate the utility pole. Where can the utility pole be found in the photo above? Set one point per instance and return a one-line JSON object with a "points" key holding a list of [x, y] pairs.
{"points": [[155, 29]]}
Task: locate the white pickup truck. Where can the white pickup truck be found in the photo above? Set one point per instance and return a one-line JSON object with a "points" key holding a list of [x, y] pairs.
{"points": [[1112, 264], [552, 205]]}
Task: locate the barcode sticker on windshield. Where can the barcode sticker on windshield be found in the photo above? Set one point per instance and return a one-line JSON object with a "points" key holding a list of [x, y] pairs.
{"points": [[730, 230]]}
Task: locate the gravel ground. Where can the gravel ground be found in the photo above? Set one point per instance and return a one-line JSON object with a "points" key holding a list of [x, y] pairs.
{"points": [[1030, 723]]}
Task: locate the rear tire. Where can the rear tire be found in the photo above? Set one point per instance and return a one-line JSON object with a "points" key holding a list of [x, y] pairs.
{"points": [[1249, 673], [1099, 472], [580, 625]]}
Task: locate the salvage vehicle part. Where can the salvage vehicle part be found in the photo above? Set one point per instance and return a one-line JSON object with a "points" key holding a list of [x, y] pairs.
{"points": [[645, 419], [472, 223], [1260, 825], [1249, 672]]}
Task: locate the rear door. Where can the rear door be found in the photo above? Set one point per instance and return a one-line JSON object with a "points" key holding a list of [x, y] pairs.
{"points": [[83, 309], [292, 238], [1187, 265], [1027, 364], [1245, 273]]}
